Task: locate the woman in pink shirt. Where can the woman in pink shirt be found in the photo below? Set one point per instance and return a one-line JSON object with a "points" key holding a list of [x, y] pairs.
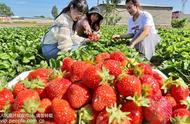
{"points": [[90, 23]]}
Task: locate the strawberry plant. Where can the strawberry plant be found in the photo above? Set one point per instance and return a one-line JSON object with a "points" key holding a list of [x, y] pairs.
{"points": [[20, 50], [174, 53]]}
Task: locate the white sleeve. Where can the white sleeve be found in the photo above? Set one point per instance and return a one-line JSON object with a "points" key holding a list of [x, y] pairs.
{"points": [[148, 19], [77, 39], [62, 33], [64, 40]]}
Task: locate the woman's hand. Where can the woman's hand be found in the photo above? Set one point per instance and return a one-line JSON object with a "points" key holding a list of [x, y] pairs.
{"points": [[116, 36], [88, 31], [132, 45]]}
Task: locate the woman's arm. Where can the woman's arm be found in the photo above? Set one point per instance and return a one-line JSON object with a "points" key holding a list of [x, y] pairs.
{"points": [[63, 38], [86, 26], [78, 40], [142, 36], [127, 36], [123, 36]]}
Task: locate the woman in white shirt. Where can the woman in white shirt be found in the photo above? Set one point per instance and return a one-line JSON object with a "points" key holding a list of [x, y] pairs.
{"points": [[61, 36], [141, 29]]}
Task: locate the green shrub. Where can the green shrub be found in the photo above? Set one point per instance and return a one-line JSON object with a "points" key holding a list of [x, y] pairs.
{"points": [[179, 23]]}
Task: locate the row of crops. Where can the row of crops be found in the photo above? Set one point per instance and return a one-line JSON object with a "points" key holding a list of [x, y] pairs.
{"points": [[20, 50]]}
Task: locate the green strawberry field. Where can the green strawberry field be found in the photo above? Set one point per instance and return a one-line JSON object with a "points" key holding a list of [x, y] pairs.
{"points": [[103, 82], [20, 50]]}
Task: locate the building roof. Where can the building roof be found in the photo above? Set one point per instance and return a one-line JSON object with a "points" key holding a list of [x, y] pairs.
{"points": [[156, 5]]}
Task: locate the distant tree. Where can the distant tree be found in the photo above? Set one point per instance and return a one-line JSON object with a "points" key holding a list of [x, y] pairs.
{"points": [[54, 11], [42, 16], [5, 10], [39, 16], [111, 13]]}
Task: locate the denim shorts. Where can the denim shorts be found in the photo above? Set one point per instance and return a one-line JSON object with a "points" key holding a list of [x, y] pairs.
{"points": [[50, 50]]}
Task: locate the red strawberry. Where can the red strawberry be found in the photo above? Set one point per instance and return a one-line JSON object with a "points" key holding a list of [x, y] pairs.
{"points": [[41, 92], [113, 66], [134, 107], [42, 73], [104, 96], [6, 99], [77, 70], [28, 100], [18, 87], [171, 100], [129, 71], [181, 116], [57, 88], [93, 37], [102, 57], [179, 90], [150, 86], [44, 109], [128, 85], [45, 105], [56, 74], [94, 76], [37, 85], [99, 65], [62, 112], [67, 63], [159, 111], [87, 115], [118, 56], [167, 84], [112, 115], [158, 78], [67, 76], [143, 68], [135, 112], [78, 95], [183, 104]]}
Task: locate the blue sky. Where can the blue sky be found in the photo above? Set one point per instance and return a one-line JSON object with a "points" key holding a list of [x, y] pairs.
{"points": [[30, 8]]}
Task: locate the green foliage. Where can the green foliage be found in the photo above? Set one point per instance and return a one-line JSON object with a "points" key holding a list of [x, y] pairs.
{"points": [[5, 10], [174, 53], [111, 14], [54, 12], [179, 23], [19, 50]]}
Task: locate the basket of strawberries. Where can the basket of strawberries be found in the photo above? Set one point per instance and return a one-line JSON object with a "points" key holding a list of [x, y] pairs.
{"points": [[112, 89]]}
